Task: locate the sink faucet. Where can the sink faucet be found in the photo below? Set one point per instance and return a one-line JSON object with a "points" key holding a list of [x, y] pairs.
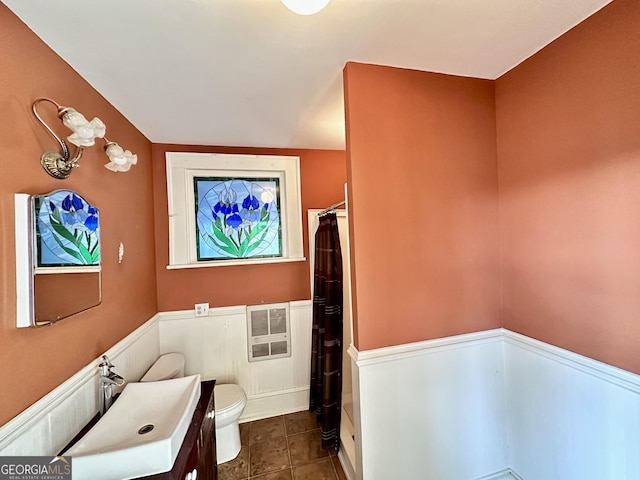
{"points": [[108, 379]]}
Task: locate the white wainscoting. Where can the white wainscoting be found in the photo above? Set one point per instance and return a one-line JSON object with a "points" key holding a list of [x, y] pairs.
{"points": [[50, 423], [570, 417], [215, 346], [432, 409], [480, 406], [494, 405]]}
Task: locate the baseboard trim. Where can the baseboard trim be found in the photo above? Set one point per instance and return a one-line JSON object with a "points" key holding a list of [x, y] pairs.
{"points": [[272, 404], [347, 468]]}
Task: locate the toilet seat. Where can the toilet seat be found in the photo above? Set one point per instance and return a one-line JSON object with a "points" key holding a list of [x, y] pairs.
{"points": [[227, 397]]}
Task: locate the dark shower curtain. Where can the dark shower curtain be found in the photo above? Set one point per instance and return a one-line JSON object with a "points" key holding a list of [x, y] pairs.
{"points": [[326, 340]]}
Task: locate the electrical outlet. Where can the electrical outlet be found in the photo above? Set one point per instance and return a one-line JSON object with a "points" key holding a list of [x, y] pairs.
{"points": [[202, 309]]}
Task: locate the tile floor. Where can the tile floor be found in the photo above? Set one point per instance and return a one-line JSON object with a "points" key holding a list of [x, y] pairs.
{"points": [[282, 448]]}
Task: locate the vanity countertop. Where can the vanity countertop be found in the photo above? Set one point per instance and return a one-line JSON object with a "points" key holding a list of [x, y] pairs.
{"points": [[198, 450]]}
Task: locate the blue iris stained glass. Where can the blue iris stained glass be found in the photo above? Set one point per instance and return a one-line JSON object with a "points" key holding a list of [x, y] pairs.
{"points": [[237, 218], [67, 230]]}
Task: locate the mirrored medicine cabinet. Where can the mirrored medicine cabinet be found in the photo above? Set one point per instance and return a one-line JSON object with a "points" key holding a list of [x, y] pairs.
{"points": [[58, 264]]}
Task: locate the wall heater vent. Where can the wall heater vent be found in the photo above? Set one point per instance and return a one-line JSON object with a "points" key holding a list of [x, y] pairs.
{"points": [[268, 332]]}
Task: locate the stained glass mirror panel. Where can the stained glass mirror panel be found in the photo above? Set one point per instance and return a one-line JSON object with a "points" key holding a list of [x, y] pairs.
{"points": [[67, 230]]}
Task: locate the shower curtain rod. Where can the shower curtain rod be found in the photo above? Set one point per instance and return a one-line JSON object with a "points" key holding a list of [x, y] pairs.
{"points": [[331, 208]]}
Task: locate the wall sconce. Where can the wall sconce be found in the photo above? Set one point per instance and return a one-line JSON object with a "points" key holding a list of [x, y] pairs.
{"points": [[305, 7], [60, 165]]}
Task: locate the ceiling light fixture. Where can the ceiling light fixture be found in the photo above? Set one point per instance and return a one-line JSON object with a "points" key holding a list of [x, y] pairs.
{"points": [[305, 7], [60, 165]]}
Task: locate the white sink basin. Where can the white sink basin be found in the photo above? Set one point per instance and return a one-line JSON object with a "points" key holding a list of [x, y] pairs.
{"points": [[114, 448]]}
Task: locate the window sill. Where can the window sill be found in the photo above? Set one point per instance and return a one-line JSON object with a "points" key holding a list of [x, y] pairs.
{"points": [[227, 263]]}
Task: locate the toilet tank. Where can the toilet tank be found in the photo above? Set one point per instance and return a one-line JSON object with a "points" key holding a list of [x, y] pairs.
{"points": [[168, 366]]}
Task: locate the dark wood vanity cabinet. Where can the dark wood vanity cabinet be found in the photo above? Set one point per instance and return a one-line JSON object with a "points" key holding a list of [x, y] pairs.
{"points": [[206, 444], [198, 452]]}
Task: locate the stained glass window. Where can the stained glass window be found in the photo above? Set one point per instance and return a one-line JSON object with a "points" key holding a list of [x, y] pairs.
{"points": [[67, 230], [226, 209], [237, 218]]}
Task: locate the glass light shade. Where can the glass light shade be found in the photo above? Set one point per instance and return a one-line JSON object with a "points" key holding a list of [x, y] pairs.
{"points": [[120, 159], [305, 7], [84, 132]]}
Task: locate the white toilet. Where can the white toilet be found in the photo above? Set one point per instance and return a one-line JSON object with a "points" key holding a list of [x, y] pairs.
{"points": [[230, 401]]}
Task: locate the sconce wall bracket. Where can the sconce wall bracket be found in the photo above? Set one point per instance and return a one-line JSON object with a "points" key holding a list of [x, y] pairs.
{"points": [[59, 164]]}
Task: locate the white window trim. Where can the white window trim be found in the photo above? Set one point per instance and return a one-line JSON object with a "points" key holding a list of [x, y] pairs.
{"points": [[183, 166]]}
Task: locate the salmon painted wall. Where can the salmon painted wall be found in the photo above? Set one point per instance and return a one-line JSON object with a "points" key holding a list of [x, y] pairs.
{"points": [[568, 122], [322, 178], [34, 361], [421, 160]]}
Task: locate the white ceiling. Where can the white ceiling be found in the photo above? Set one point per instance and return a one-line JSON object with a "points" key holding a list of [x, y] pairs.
{"points": [[252, 73]]}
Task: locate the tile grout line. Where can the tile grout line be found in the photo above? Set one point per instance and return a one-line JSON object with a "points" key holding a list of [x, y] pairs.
{"points": [[286, 440], [249, 454], [333, 466]]}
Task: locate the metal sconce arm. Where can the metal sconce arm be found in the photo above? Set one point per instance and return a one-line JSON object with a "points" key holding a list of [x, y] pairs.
{"points": [[60, 165]]}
